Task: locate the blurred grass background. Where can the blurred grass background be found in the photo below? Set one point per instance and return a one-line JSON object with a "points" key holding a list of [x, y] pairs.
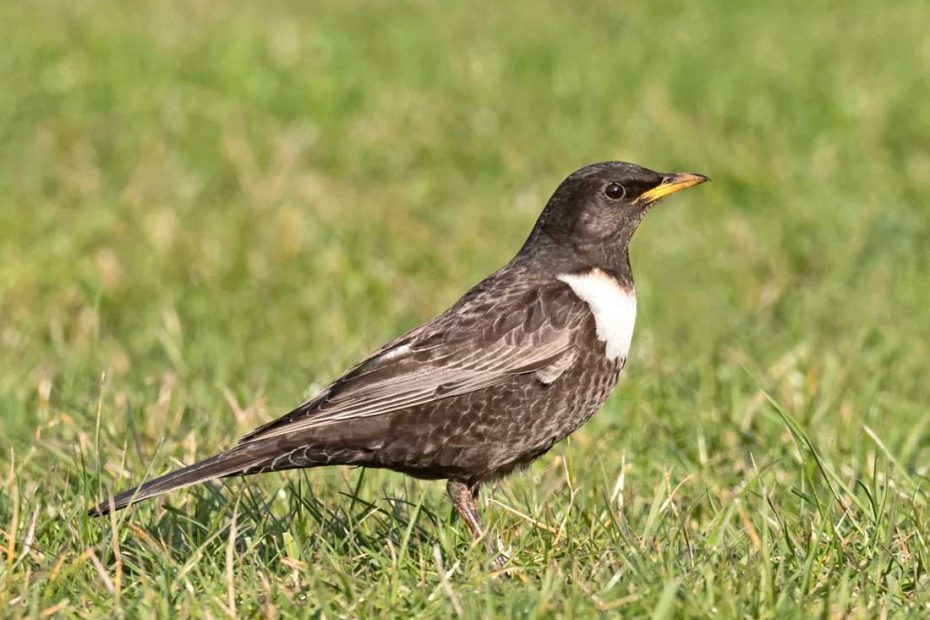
{"points": [[220, 206]]}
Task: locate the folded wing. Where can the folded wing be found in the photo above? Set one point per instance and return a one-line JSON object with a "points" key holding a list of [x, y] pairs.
{"points": [[461, 351]]}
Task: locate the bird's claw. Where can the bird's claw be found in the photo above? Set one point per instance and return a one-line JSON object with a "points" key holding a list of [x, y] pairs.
{"points": [[502, 558]]}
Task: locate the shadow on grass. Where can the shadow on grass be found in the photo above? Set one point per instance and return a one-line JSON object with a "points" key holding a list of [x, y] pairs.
{"points": [[364, 534]]}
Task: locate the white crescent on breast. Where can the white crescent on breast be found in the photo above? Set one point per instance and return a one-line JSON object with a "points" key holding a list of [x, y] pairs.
{"points": [[613, 307]]}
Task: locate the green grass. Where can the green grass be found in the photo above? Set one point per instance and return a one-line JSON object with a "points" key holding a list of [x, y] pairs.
{"points": [[208, 210]]}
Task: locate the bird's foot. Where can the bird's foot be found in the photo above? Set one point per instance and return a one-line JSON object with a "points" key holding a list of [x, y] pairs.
{"points": [[502, 558], [499, 561]]}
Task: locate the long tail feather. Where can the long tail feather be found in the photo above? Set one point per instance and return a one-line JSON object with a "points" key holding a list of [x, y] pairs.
{"points": [[229, 463]]}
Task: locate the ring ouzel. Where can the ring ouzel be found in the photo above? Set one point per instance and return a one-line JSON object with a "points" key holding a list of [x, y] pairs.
{"points": [[522, 360]]}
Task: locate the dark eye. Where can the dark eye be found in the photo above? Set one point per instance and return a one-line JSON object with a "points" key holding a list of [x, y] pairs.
{"points": [[614, 191]]}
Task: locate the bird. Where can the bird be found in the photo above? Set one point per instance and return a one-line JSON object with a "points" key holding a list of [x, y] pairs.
{"points": [[517, 364]]}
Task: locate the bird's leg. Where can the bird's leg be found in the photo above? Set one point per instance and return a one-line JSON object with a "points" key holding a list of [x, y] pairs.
{"points": [[463, 498]]}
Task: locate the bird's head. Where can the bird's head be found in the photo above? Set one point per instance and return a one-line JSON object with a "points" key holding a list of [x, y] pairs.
{"points": [[600, 206]]}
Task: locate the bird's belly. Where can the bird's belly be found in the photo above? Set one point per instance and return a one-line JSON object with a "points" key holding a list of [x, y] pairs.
{"points": [[485, 434], [581, 392]]}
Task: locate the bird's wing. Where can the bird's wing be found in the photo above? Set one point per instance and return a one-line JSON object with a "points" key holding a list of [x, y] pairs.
{"points": [[495, 332]]}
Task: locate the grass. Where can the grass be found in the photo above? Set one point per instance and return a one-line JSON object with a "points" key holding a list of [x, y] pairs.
{"points": [[208, 210]]}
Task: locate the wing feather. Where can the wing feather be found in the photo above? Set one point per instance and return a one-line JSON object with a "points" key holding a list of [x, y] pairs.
{"points": [[460, 351]]}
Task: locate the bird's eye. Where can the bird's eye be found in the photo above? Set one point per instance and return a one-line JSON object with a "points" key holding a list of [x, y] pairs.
{"points": [[614, 191]]}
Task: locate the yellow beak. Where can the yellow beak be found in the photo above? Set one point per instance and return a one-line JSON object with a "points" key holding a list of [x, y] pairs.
{"points": [[674, 182]]}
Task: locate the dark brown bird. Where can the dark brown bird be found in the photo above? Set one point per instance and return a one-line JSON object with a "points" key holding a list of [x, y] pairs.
{"points": [[517, 364]]}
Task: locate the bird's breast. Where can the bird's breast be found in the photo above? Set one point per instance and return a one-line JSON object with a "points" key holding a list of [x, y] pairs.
{"points": [[613, 307]]}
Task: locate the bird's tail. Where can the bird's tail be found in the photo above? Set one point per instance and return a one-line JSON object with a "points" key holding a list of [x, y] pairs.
{"points": [[235, 461]]}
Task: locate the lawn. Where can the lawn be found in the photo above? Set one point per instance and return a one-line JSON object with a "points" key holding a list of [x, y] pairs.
{"points": [[208, 210]]}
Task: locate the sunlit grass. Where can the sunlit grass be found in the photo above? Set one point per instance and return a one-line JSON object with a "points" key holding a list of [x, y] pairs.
{"points": [[209, 210]]}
